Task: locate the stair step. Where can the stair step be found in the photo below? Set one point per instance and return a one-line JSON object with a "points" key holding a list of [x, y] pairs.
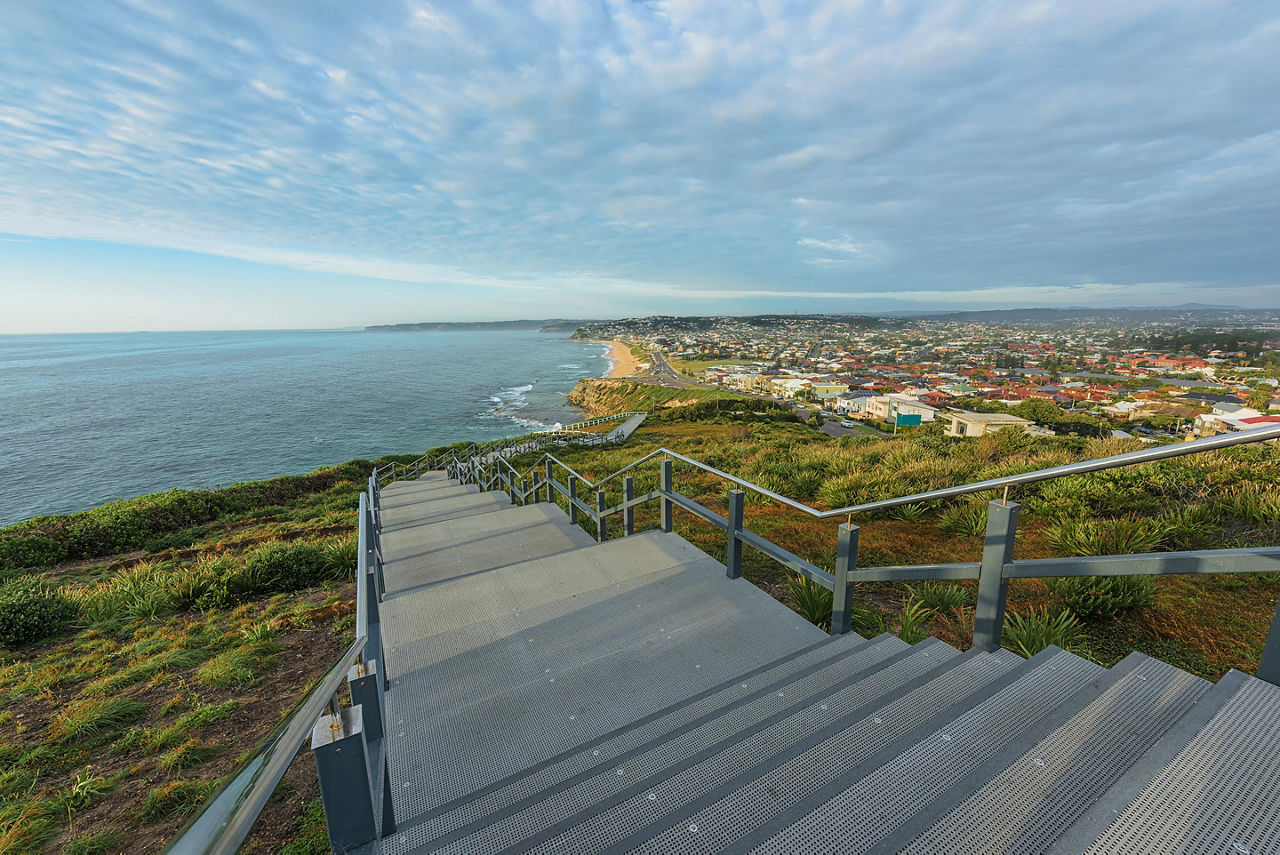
{"points": [[399, 520], [874, 797], [1220, 792], [1027, 798], [476, 700], [467, 545], [609, 747], [728, 714], [763, 797], [600, 825]]}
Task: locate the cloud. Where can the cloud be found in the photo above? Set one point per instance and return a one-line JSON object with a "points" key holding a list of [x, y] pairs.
{"points": [[955, 150]]}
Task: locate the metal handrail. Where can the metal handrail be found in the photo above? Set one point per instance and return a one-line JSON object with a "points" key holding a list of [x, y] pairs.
{"points": [[225, 821]]}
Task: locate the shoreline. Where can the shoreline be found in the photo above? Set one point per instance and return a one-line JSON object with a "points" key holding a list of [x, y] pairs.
{"points": [[621, 362]]}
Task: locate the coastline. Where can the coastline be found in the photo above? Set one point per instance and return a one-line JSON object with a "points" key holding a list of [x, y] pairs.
{"points": [[621, 362]]}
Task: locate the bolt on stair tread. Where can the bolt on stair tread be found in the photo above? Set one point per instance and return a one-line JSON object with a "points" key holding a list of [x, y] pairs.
{"points": [[765, 798], [1045, 788], [655, 726], [873, 798], [469, 745], [702, 774], [721, 728], [496, 656]]}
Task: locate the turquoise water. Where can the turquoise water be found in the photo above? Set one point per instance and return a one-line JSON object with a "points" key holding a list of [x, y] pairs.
{"points": [[85, 419]]}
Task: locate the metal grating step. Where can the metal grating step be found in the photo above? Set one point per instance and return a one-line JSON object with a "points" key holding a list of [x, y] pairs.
{"points": [[417, 616], [766, 792], [467, 545], [1028, 804], [488, 661], [874, 797], [625, 742], [717, 731], [622, 672], [396, 520], [1221, 793], [653, 802]]}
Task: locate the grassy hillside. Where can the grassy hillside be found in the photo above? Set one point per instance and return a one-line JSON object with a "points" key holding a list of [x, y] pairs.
{"points": [[148, 643]]}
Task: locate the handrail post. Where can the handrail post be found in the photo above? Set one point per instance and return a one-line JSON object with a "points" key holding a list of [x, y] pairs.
{"points": [[667, 488], [733, 528], [338, 743], [573, 499], [524, 490], [997, 551], [628, 512], [549, 471], [1269, 664], [537, 487], [842, 587], [601, 525]]}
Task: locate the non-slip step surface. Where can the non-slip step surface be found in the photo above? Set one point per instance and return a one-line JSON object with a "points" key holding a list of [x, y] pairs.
{"points": [[425, 511], [1221, 793], [1025, 807], [866, 803], [465, 545], [708, 778], [621, 744], [723, 731]]}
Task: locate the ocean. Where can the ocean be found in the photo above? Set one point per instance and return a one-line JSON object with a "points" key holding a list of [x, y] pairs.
{"points": [[88, 418]]}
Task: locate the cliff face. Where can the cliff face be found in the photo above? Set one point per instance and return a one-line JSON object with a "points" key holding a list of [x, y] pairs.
{"points": [[601, 397]]}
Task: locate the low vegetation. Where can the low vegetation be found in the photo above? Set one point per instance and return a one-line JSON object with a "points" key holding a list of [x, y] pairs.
{"points": [[149, 643]]}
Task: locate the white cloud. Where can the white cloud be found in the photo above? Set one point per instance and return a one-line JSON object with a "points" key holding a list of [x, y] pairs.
{"points": [[965, 145]]}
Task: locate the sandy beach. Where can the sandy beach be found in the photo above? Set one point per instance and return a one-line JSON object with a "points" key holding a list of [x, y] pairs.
{"points": [[624, 364]]}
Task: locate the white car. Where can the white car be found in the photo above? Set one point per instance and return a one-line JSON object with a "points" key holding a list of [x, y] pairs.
{"points": [[847, 423]]}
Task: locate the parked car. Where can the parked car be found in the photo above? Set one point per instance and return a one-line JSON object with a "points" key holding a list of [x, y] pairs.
{"points": [[847, 423]]}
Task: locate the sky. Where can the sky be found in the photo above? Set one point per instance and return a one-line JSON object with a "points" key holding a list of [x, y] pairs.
{"points": [[249, 164]]}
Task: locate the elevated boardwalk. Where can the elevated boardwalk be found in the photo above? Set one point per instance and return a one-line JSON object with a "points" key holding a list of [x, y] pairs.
{"points": [[548, 693]]}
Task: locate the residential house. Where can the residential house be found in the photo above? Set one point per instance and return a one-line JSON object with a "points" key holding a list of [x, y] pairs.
{"points": [[965, 423]]}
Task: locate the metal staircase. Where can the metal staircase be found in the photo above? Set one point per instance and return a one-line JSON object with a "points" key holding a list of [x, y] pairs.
{"points": [[537, 690]]}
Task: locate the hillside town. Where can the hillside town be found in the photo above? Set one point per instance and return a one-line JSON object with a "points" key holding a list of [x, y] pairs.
{"points": [[1156, 380]]}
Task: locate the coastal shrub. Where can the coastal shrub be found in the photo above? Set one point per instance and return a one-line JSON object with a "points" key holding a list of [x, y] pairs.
{"points": [[285, 567], [1192, 526], [1102, 597], [1028, 634], [93, 715], [1118, 536], [909, 513], [915, 617], [969, 518], [341, 556], [939, 597], [812, 601], [162, 520], [139, 592], [30, 551], [1254, 503], [32, 610]]}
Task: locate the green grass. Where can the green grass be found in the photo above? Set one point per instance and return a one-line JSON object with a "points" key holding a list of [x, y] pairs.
{"points": [[91, 716], [174, 798]]}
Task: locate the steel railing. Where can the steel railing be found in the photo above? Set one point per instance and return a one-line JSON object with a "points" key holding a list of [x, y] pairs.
{"points": [[992, 573], [347, 741]]}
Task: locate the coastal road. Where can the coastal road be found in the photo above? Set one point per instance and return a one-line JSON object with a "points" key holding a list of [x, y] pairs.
{"points": [[665, 375]]}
